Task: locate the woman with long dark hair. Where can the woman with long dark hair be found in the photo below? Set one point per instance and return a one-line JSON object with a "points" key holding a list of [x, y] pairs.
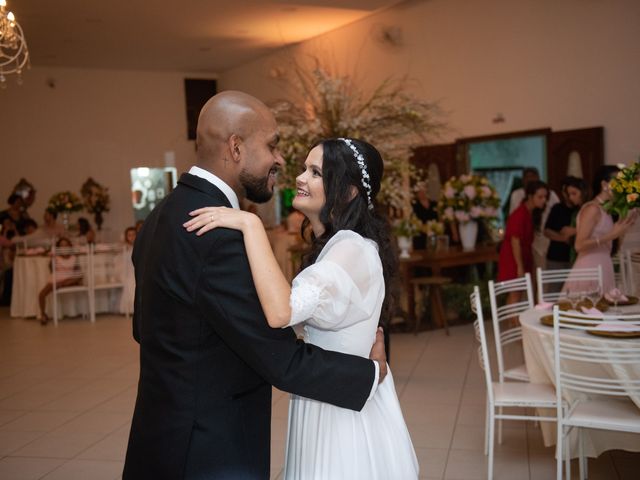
{"points": [[596, 231], [339, 296]]}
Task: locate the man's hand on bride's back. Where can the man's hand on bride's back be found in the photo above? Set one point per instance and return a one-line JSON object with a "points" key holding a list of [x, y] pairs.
{"points": [[208, 218], [379, 355]]}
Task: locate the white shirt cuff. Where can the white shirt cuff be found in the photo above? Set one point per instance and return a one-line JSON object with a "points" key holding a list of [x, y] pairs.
{"points": [[375, 380]]}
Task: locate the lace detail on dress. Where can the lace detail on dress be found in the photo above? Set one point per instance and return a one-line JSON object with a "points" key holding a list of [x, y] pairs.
{"points": [[305, 297]]}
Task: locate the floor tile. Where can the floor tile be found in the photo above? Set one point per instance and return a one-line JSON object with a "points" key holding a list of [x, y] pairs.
{"points": [[16, 468], [86, 469], [65, 445]]}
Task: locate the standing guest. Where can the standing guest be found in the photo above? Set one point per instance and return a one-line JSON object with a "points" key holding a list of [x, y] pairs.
{"points": [[425, 210], [66, 268], [540, 242], [139, 224], [596, 230], [15, 212], [86, 234], [516, 256], [7, 255], [560, 227], [128, 272]]}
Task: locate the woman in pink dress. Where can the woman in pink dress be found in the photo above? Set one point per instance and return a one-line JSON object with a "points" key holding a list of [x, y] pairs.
{"points": [[596, 230]]}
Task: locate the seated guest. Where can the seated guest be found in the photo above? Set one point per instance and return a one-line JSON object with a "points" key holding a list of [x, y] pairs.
{"points": [[51, 227], [128, 275], [540, 242], [560, 225], [596, 231], [66, 274], [86, 234], [516, 256]]}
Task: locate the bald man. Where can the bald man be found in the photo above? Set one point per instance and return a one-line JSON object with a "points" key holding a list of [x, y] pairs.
{"points": [[208, 358]]}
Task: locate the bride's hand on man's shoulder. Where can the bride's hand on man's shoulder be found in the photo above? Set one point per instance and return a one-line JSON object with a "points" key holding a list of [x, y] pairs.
{"points": [[208, 218]]}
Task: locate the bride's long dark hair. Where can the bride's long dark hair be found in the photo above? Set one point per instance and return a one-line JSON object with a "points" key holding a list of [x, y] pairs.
{"points": [[340, 172]]}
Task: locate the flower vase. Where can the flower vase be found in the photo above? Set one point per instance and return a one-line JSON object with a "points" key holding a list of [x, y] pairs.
{"points": [[65, 221], [99, 219], [468, 234], [404, 244]]}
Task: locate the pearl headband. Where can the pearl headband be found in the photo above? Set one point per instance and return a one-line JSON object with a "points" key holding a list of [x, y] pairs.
{"points": [[363, 169]]}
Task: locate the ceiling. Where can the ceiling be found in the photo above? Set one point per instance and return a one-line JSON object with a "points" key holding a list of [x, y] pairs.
{"points": [[185, 35]]}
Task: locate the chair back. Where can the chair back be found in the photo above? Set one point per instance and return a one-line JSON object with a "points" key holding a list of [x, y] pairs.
{"points": [[631, 260], [546, 277], [505, 336], [583, 365], [107, 265], [481, 336], [70, 263]]}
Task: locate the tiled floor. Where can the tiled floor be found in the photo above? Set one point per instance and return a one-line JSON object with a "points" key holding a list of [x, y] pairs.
{"points": [[67, 393]]}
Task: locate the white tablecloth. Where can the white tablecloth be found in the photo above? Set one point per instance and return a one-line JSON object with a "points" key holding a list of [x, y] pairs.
{"points": [[537, 342], [31, 274]]}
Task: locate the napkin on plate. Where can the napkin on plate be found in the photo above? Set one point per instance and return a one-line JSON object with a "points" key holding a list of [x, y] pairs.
{"points": [[616, 326], [615, 291], [594, 312], [544, 306]]}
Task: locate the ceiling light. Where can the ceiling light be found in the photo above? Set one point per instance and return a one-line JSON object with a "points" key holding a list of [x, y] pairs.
{"points": [[14, 54]]}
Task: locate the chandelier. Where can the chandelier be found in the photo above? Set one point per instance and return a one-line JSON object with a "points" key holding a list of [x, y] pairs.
{"points": [[14, 54]]}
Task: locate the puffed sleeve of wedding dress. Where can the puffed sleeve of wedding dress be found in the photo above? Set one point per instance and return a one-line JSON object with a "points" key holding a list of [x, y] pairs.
{"points": [[342, 287]]}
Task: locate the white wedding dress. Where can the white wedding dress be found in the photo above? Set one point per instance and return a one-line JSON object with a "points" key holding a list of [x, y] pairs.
{"points": [[338, 299]]}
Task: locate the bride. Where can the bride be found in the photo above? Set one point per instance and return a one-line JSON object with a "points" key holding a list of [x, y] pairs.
{"points": [[338, 297]]}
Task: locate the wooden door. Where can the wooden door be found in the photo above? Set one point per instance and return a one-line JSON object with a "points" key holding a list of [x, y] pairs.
{"points": [[444, 156], [585, 145]]}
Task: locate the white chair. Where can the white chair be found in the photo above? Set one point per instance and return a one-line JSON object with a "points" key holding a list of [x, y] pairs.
{"points": [[72, 264], [596, 401], [630, 262], [505, 394], [499, 314], [107, 270], [546, 277]]}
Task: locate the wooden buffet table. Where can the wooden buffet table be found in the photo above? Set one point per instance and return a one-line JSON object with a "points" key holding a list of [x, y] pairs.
{"points": [[436, 261]]}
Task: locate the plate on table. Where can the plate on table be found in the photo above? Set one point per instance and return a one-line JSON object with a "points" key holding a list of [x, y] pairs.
{"points": [[547, 320], [615, 331], [631, 300], [602, 305]]}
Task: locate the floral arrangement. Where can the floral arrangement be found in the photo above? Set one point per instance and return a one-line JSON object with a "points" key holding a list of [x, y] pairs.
{"points": [[96, 197], [433, 227], [408, 227], [468, 197], [323, 104], [625, 189], [64, 202]]}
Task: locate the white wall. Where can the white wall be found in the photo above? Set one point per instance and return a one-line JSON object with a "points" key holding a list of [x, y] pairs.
{"points": [[541, 63], [97, 123]]}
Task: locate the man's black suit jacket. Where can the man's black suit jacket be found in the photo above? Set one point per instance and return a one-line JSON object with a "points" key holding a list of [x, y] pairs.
{"points": [[207, 355]]}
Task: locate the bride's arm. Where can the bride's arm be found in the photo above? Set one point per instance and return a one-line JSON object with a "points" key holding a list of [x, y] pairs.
{"points": [[273, 288]]}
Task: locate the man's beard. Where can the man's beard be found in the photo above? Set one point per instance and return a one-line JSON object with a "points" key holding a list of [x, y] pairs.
{"points": [[256, 188]]}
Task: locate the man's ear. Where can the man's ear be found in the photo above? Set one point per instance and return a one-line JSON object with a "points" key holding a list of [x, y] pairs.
{"points": [[235, 147]]}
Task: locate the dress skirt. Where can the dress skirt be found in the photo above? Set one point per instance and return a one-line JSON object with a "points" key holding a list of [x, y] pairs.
{"points": [[326, 442]]}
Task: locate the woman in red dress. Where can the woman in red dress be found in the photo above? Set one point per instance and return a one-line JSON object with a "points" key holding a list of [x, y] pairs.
{"points": [[516, 257]]}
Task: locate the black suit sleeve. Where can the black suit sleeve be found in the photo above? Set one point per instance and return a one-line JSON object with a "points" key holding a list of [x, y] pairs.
{"points": [[226, 295]]}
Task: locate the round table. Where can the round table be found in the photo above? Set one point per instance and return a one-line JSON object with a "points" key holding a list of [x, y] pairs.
{"points": [[537, 340], [32, 272]]}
